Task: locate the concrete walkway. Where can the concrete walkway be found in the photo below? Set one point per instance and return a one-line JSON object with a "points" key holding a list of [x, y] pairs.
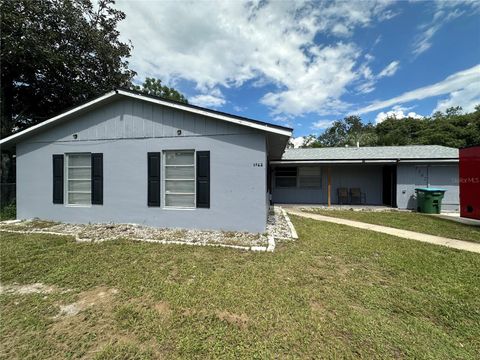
{"points": [[432, 239]]}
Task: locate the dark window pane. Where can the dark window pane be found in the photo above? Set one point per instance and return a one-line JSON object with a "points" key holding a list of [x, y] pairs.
{"points": [[285, 181]]}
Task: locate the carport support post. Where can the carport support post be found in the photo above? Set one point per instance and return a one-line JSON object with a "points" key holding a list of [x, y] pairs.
{"points": [[329, 187]]}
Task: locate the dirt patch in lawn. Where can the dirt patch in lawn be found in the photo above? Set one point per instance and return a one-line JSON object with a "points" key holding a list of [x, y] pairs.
{"points": [[96, 297], [163, 308], [240, 321], [36, 288]]}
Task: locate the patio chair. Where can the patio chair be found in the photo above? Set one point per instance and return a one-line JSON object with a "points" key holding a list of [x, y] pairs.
{"points": [[357, 197], [342, 194]]}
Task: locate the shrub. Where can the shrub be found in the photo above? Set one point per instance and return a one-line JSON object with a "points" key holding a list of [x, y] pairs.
{"points": [[8, 212]]}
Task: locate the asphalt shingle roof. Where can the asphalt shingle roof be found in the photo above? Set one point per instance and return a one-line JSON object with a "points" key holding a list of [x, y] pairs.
{"points": [[372, 153]]}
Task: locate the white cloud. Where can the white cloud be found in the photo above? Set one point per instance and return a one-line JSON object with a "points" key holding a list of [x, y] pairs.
{"points": [[207, 101], [302, 141], [226, 43], [467, 98], [463, 83], [322, 124], [398, 113], [297, 142], [369, 80], [239, 108], [213, 98], [390, 69], [443, 13]]}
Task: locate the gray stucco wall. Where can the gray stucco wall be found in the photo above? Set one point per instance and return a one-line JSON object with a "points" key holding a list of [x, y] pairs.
{"points": [[366, 177], [411, 176], [124, 132]]}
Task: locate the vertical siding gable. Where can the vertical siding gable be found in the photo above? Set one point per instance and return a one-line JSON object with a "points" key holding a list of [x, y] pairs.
{"points": [[133, 118], [138, 117], [167, 121], [128, 111], [148, 119], [100, 128]]}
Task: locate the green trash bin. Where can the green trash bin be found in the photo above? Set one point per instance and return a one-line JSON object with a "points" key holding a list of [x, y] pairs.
{"points": [[429, 200]]}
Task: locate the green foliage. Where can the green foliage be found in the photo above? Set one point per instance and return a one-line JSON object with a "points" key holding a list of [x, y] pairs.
{"points": [[57, 54], [348, 131], [8, 212], [452, 128], [154, 87]]}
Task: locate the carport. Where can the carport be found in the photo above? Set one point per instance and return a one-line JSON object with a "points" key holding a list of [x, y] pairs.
{"points": [[385, 175]]}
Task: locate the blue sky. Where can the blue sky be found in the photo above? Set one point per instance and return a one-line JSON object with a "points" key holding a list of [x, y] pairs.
{"points": [[305, 64]]}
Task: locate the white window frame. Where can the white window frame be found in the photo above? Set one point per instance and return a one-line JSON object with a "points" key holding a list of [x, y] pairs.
{"points": [[164, 180], [66, 180]]}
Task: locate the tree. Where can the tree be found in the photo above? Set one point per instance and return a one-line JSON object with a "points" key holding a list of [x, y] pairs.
{"points": [[348, 131], [393, 131], [154, 87], [55, 55], [452, 128]]}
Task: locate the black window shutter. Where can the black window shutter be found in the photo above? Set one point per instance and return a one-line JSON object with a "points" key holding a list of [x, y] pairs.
{"points": [[57, 179], [153, 179], [203, 179], [97, 179]]}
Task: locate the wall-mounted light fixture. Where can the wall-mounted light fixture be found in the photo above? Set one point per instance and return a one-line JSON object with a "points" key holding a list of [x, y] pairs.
{"points": [[75, 136], [179, 132]]}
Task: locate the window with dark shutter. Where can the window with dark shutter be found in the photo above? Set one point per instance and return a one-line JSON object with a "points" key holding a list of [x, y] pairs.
{"points": [[57, 179], [203, 179], [97, 179], [153, 179]]}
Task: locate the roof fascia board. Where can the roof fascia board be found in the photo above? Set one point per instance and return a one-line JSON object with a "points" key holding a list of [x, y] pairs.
{"points": [[361, 161], [58, 117], [429, 160], [207, 113], [285, 162]]}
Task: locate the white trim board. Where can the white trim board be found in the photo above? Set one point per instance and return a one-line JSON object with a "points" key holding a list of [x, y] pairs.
{"points": [[33, 128], [354, 161], [116, 93]]}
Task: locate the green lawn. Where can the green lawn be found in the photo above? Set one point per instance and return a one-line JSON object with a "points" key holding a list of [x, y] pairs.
{"points": [[426, 224], [337, 292]]}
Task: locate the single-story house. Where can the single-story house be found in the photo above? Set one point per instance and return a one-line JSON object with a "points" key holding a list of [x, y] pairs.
{"points": [[381, 175], [126, 157]]}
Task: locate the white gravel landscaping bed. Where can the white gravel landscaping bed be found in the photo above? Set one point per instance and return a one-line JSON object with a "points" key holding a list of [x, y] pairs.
{"points": [[277, 227]]}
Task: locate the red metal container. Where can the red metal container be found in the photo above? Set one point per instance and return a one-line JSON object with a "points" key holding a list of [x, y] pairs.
{"points": [[469, 177]]}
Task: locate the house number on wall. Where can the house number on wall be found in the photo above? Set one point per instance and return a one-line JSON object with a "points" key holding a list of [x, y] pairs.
{"points": [[259, 164]]}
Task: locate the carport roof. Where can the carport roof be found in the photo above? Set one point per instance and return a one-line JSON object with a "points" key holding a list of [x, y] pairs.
{"points": [[369, 153]]}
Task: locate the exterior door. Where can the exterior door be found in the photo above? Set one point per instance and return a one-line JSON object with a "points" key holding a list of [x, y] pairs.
{"points": [[389, 194]]}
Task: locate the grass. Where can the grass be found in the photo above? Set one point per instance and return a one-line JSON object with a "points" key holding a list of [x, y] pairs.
{"points": [[427, 224], [337, 292]]}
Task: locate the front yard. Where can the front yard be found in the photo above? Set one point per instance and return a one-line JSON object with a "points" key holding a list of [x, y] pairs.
{"points": [[335, 292], [427, 224]]}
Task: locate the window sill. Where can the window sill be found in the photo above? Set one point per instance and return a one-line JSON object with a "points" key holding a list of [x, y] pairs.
{"points": [[178, 208]]}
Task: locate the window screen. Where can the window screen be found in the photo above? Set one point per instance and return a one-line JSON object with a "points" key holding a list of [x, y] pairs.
{"points": [[78, 179], [286, 177], [179, 178], [309, 177]]}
